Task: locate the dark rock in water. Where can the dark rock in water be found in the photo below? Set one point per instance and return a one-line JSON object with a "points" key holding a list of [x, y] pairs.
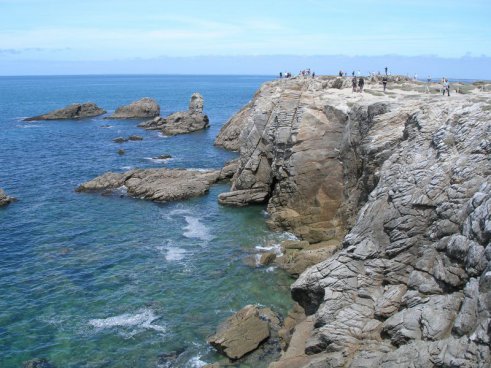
{"points": [[75, 111], [106, 126], [37, 363], [120, 140], [5, 199], [160, 185], [168, 359], [181, 122], [144, 108], [121, 152], [154, 124], [162, 157], [135, 138]]}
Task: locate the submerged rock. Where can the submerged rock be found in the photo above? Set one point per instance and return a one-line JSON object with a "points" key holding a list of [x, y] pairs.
{"points": [[5, 199], [120, 140], [121, 152], [144, 108], [37, 363], [71, 112], [135, 138], [181, 122], [160, 185]]}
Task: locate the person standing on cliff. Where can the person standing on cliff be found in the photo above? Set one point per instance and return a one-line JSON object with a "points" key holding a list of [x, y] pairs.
{"points": [[386, 69], [446, 87], [361, 84], [384, 82], [354, 83]]}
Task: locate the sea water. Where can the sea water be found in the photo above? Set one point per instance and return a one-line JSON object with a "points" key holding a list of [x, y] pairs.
{"points": [[109, 281]]}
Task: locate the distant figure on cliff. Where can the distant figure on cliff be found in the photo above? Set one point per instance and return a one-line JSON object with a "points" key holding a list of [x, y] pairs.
{"points": [[428, 82], [361, 84], [446, 87], [354, 83], [313, 74], [340, 73], [386, 69], [353, 73], [281, 75], [384, 82]]}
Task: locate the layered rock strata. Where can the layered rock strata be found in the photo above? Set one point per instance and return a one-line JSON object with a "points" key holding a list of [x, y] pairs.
{"points": [[141, 109], [71, 112], [401, 183], [181, 122], [161, 185]]}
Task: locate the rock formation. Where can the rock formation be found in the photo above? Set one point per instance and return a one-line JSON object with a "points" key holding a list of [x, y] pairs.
{"points": [[71, 112], [5, 199], [144, 108], [181, 122], [160, 185], [397, 187]]}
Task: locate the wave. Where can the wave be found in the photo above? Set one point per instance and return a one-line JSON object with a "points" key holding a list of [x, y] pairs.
{"points": [[162, 135], [143, 320], [158, 160], [29, 126], [175, 254], [196, 229]]}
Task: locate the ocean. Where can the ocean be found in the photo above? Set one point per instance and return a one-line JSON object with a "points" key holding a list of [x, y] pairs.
{"points": [[105, 281]]}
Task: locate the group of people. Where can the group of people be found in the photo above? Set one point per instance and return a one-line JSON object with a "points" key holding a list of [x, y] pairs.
{"points": [[302, 73], [358, 84]]}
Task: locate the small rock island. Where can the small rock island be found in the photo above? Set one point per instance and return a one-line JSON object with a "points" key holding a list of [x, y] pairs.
{"points": [[71, 112], [141, 109]]}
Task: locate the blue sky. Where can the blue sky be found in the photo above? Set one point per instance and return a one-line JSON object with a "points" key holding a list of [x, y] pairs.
{"points": [[93, 32]]}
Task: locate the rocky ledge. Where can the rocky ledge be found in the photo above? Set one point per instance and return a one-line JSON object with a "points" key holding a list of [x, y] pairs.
{"points": [[5, 199], [141, 109], [160, 185], [71, 112], [181, 122], [395, 187]]}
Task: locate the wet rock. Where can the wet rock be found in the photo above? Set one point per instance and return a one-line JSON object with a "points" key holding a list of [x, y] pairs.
{"points": [[5, 199], [160, 185], [121, 152], [240, 198], [71, 112], [156, 123], [120, 140], [135, 138], [144, 108], [162, 157], [267, 258]]}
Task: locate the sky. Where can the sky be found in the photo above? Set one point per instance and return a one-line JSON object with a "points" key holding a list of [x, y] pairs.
{"points": [[66, 36]]}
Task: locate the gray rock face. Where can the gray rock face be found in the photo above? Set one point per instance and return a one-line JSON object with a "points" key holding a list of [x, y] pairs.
{"points": [[229, 134], [144, 108], [71, 112], [5, 199], [181, 122], [160, 185], [404, 182]]}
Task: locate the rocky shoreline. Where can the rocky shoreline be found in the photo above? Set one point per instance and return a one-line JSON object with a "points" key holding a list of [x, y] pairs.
{"points": [[395, 191]]}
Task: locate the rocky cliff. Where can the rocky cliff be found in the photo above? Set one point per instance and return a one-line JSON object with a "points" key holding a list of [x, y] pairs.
{"points": [[402, 181]]}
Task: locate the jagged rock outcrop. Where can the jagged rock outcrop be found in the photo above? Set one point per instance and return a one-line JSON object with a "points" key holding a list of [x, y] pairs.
{"points": [[403, 181], [160, 185], [143, 108], [181, 122], [71, 112], [229, 134], [5, 199]]}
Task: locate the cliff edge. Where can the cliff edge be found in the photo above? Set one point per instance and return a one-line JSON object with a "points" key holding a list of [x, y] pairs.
{"points": [[402, 181]]}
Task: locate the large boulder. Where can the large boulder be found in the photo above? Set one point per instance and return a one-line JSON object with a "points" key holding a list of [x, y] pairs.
{"points": [[160, 185], [229, 134], [243, 332], [5, 199], [71, 112], [181, 122], [144, 108]]}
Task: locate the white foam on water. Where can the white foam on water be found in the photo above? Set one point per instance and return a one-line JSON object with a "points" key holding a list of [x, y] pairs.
{"points": [[196, 229], [199, 169], [275, 248], [162, 135], [158, 160], [196, 362], [122, 190], [270, 269], [29, 126], [126, 167], [175, 254], [143, 320]]}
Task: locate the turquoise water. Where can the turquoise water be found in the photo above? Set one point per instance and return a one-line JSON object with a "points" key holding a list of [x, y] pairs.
{"points": [[95, 281]]}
